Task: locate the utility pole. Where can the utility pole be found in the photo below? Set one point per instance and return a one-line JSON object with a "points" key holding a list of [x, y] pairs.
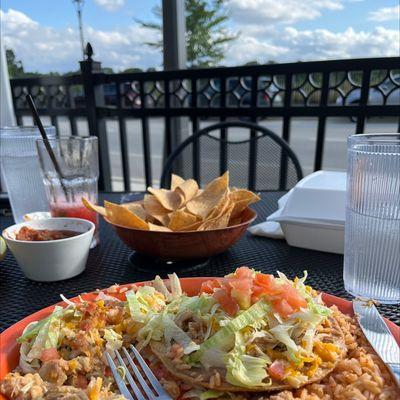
{"points": [[79, 6]]}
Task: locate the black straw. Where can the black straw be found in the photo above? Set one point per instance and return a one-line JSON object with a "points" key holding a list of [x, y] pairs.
{"points": [[46, 142]]}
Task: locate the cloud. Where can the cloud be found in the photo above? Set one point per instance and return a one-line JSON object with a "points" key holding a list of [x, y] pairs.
{"points": [[322, 44], [292, 44], [288, 11], [42, 48], [385, 14], [50, 49], [110, 5]]}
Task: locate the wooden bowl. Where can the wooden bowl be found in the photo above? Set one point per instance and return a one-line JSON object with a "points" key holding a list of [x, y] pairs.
{"points": [[179, 246]]}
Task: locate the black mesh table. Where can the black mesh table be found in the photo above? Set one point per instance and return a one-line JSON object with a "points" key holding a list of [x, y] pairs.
{"points": [[108, 264]]}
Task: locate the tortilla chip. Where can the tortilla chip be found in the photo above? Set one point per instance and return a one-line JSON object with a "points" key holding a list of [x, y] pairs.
{"points": [[192, 375], [203, 203], [158, 228], [120, 215], [188, 189], [136, 208], [176, 180], [242, 198], [169, 199], [222, 205], [93, 207], [180, 219], [154, 208], [218, 222]]}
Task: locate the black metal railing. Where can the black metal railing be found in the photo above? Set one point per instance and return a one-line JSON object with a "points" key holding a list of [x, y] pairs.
{"points": [[357, 89]]}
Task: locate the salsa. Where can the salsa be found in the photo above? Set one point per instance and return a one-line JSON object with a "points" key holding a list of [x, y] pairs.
{"points": [[40, 235]]}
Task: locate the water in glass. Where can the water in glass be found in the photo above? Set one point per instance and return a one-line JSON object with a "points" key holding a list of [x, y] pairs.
{"points": [[372, 230], [20, 169]]}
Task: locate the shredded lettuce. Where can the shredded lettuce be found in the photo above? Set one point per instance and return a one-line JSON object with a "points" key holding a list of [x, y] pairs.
{"points": [[153, 330], [47, 334], [173, 332], [34, 330], [214, 358], [244, 370], [202, 394], [113, 339], [204, 305], [150, 298], [134, 306], [224, 336], [282, 334], [159, 285], [211, 394], [144, 303], [176, 289]]}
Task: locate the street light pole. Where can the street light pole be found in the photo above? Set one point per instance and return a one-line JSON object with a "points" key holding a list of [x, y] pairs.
{"points": [[79, 6]]}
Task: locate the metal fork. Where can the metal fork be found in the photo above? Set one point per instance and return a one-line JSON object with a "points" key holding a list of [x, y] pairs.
{"points": [[161, 393]]}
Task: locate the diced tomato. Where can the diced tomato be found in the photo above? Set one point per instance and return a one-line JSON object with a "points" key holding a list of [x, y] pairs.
{"points": [[244, 288], [282, 307], [209, 286], [49, 354], [81, 381], [277, 370], [90, 307], [227, 303], [292, 296], [107, 371], [244, 272], [241, 292], [267, 282], [85, 325]]}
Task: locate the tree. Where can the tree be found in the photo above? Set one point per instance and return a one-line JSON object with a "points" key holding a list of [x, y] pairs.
{"points": [[131, 70], [107, 70], [206, 33], [15, 67]]}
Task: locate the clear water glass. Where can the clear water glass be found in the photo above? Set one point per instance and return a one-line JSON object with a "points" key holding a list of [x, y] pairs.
{"points": [[20, 169], [372, 229], [78, 160]]}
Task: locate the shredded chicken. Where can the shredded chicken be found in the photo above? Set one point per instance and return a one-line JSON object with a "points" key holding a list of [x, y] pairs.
{"points": [[54, 371]]}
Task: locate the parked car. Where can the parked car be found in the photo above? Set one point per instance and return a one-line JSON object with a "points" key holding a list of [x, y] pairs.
{"points": [[375, 95], [238, 93]]}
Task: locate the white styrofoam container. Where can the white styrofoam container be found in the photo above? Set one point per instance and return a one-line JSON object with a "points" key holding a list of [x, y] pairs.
{"points": [[312, 214], [319, 196], [329, 238]]}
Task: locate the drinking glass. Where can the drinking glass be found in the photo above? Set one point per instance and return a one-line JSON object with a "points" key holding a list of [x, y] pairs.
{"points": [[372, 228], [20, 169], [78, 161]]}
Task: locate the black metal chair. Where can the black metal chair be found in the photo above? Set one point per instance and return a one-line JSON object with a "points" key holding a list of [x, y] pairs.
{"points": [[256, 158]]}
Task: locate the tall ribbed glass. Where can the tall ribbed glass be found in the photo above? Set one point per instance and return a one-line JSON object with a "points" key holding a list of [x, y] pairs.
{"points": [[20, 169], [372, 229]]}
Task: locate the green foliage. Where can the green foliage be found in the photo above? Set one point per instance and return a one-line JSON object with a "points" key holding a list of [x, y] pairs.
{"points": [[131, 70], [206, 32], [107, 70], [15, 67]]}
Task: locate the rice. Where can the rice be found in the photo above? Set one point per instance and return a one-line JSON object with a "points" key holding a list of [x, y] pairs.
{"points": [[360, 376]]}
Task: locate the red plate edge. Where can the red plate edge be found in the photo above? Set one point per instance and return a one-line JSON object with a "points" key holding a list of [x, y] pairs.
{"points": [[9, 349]]}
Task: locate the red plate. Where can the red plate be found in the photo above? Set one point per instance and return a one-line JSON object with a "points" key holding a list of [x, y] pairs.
{"points": [[9, 348]]}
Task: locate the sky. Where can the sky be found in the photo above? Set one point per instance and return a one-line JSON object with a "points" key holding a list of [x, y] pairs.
{"points": [[44, 34]]}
